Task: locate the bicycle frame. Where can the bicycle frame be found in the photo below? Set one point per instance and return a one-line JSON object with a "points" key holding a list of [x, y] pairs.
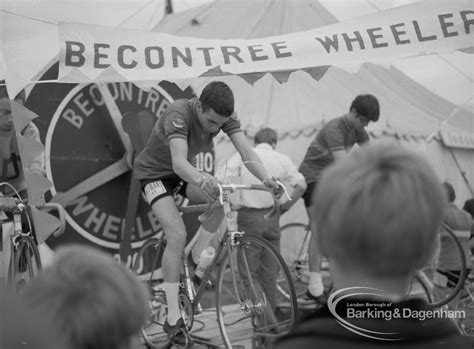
{"points": [[228, 242], [19, 239]]}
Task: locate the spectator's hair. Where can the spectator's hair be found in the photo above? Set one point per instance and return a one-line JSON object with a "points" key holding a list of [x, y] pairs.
{"points": [[95, 302], [379, 210], [218, 96], [449, 190], [20, 97], [266, 135], [366, 105]]}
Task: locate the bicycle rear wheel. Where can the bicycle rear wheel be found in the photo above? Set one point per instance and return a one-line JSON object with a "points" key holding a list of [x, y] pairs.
{"points": [[25, 262], [247, 309], [441, 285]]}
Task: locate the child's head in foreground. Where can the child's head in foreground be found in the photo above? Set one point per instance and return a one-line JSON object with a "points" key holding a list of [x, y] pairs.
{"points": [[94, 301], [377, 212]]}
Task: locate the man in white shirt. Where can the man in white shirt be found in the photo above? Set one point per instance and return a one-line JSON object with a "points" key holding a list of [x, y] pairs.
{"points": [[255, 204]]}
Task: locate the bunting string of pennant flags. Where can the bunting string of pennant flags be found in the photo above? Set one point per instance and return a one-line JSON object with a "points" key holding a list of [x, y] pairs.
{"points": [[94, 53]]}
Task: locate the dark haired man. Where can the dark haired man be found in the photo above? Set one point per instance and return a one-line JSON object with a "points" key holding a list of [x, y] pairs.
{"points": [[165, 168], [332, 143]]}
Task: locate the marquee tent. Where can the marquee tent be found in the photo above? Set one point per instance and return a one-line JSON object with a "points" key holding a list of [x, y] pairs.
{"points": [[410, 113], [296, 108]]}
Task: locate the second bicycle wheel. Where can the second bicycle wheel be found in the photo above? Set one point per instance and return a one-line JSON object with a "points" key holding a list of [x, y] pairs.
{"points": [[246, 297], [442, 280]]}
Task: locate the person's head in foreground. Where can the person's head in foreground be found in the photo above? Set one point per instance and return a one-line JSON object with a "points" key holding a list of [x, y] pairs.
{"points": [[216, 105], [378, 213], [93, 301]]}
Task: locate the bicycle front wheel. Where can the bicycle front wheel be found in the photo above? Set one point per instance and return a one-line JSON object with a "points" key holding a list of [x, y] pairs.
{"points": [[25, 262], [248, 305]]}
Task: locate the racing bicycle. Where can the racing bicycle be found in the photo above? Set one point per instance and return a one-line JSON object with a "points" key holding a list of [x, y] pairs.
{"points": [[242, 306]]}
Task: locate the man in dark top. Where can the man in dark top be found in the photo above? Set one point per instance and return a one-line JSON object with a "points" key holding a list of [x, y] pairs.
{"points": [[332, 143], [165, 167], [378, 213]]}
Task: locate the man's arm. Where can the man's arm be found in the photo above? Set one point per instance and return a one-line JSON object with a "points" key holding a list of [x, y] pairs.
{"points": [[296, 180], [183, 168], [249, 157]]}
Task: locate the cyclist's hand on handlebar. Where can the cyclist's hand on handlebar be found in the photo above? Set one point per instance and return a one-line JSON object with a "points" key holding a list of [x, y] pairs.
{"points": [[272, 184], [7, 203], [210, 186]]}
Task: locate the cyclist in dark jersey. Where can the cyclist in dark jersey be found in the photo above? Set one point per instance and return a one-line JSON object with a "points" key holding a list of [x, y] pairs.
{"points": [[165, 167], [332, 143]]}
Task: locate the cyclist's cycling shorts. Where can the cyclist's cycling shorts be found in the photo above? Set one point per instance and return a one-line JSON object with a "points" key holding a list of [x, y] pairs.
{"points": [[157, 188]]}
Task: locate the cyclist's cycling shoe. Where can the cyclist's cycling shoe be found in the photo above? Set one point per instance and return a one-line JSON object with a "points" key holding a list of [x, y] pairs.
{"points": [[178, 334]]}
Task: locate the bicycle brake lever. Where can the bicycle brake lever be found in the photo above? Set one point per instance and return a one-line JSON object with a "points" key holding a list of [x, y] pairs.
{"points": [[282, 186]]}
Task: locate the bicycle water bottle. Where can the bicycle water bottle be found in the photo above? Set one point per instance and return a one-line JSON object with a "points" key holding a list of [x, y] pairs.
{"points": [[207, 255]]}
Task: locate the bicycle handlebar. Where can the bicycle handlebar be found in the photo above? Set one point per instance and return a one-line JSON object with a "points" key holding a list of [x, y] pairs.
{"points": [[22, 203], [231, 188]]}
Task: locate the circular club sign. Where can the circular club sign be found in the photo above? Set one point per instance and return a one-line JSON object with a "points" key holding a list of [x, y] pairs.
{"points": [[85, 151]]}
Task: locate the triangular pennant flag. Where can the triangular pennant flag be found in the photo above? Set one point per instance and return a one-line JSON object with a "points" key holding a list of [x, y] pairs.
{"points": [[45, 224], [22, 116], [110, 74], [216, 71], [30, 149], [282, 76], [317, 72], [75, 75], [252, 78], [37, 185]]}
